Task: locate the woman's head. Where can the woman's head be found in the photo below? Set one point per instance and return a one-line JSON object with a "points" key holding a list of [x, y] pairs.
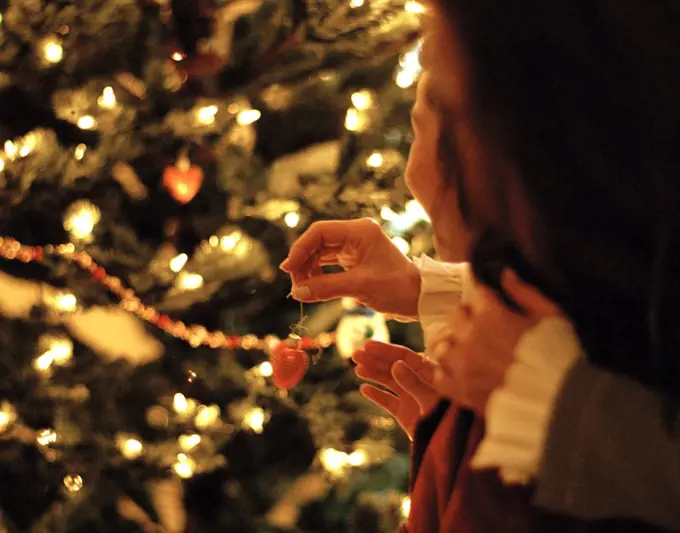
{"points": [[571, 111]]}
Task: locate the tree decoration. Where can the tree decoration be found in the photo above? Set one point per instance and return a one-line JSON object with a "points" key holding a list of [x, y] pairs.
{"points": [[183, 180], [289, 363]]}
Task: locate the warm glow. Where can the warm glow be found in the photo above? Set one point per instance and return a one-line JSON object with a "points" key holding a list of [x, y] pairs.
{"points": [[79, 152], [184, 467], [248, 116], [334, 461], [177, 56], [46, 437], [402, 244], [59, 350], [80, 220], [108, 98], [265, 369], [356, 3], [189, 281], [414, 7], [66, 303], [73, 483], [206, 115], [405, 506], [362, 99], [207, 417], [414, 209], [53, 52], [189, 442], [2, 164], [11, 149], [375, 160], [254, 419], [229, 242], [405, 79], [28, 144], [291, 219], [357, 458], [180, 403], [87, 122], [131, 448], [8, 415], [177, 263], [43, 362], [352, 119]]}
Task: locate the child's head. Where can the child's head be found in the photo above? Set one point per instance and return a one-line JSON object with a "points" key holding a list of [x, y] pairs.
{"points": [[558, 128]]}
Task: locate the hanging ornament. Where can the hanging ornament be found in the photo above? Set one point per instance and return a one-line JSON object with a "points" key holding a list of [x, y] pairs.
{"points": [[289, 363], [356, 327], [183, 180]]}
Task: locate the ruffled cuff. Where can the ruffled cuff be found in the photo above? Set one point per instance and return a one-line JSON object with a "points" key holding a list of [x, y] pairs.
{"points": [[518, 414], [443, 285]]}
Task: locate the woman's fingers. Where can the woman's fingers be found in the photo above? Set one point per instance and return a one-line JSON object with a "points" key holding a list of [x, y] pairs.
{"points": [[411, 383], [380, 376], [527, 296], [384, 399]]}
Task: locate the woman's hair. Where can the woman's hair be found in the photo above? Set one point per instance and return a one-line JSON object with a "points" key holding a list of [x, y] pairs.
{"points": [[582, 97]]}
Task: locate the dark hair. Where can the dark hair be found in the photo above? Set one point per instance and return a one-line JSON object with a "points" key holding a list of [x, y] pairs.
{"points": [[583, 98]]}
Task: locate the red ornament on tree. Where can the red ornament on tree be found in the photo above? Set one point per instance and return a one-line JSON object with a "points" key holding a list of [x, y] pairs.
{"points": [[183, 180], [289, 365]]}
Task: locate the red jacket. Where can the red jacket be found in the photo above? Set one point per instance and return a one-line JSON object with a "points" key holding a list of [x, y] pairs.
{"points": [[448, 497]]}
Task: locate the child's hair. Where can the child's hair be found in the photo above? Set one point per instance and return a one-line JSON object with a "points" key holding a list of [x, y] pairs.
{"points": [[582, 97]]}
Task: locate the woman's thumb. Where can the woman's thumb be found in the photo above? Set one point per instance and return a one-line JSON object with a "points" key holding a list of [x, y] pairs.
{"points": [[328, 287]]}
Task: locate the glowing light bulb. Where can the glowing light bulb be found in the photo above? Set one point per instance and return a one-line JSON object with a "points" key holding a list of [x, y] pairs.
{"points": [[375, 160], [8, 415], [80, 219], [352, 119], [52, 50], [107, 98], [248, 116], [357, 458], [177, 263], [11, 149], [184, 467], [59, 351], [206, 115], [189, 281], [46, 437], [387, 214], [405, 79], [79, 152], [207, 417], [73, 483], [177, 56], [265, 369], [414, 7], [65, 302], [356, 3], [362, 99], [402, 244], [405, 506], [291, 219], [189, 442], [180, 403], [254, 419], [414, 209], [2, 164], [30, 141], [229, 242], [87, 122], [43, 362], [334, 461], [131, 448]]}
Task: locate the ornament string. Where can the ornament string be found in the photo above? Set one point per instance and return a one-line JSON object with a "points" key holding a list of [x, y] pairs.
{"points": [[193, 334]]}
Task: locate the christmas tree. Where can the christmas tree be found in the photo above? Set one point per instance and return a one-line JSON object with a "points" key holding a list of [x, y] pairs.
{"points": [[159, 158]]}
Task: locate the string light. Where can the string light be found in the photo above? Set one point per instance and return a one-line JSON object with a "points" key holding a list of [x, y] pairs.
{"points": [[130, 447], [375, 160], [52, 50], [362, 99], [79, 152], [411, 6], [2, 164], [87, 122], [207, 417], [28, 144], [8, 415], [229, 242], [352, 119], [189, 442], [409, 67], [265, 369], [334, 461], [107, 98], [73, 483], [356, 3], [180, 403], [46, 437], [206, 115], [11, 149], [405, 506], [255, 419], [184, 467], [80, 219], [177, 56], [58, 351], [195, 335], [291, 219], [177, 263], [357, 458], [189, 281], [248, 116]]}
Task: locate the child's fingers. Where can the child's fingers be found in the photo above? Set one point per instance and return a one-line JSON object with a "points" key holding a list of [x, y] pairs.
{"points": [[383, 399], [391, 353], [413, 384], [527, 296], [380, 376]]}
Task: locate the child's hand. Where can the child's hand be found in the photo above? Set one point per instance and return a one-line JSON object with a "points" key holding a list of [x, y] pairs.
{"points": [[405, 373], [482, 341]]}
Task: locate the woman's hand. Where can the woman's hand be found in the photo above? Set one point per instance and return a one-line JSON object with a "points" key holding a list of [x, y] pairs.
{"points": [[475, 358], [376, 273], [405, 373]]}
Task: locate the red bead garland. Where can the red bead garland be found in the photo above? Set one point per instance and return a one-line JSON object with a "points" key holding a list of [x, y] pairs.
{"points": [[195, 335]]}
